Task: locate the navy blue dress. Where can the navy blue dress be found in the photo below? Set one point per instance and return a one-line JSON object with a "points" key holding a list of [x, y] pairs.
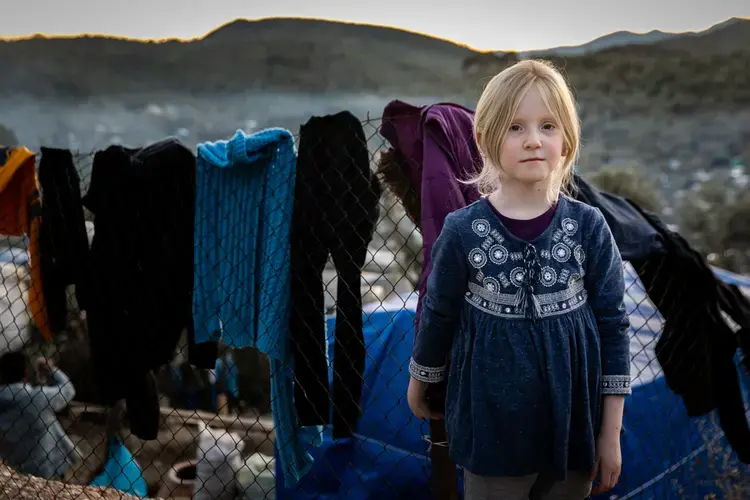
{"points": [[536, 332]]}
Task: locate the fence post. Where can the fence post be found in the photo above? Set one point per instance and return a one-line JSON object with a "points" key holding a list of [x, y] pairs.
{"points": [[444, 483]]}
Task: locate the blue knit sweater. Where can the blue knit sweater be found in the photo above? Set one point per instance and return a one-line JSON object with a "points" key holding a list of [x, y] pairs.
{"points": [[536, 333], [244, 203], [243, 210]]}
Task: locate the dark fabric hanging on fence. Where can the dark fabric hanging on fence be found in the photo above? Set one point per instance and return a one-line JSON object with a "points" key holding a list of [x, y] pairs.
{"points": [[63, 242], [435, 147], [141, 272], [335, 213], [635, 237], [697, 347]]}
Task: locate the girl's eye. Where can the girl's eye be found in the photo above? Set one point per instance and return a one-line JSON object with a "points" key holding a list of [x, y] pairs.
{"points": [[549, 126], [515, 128]]}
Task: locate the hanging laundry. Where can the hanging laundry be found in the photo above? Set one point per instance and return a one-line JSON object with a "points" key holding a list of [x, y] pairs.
{"points": [[432, 148], [335, 213], [635, 237], [435, 147], [697, 347], [21, 215], [64, 244], [141, 267], [244, 207]]}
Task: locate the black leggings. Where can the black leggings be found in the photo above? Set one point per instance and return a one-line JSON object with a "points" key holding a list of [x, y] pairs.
{"points": [[335, 212], [63, 240]]}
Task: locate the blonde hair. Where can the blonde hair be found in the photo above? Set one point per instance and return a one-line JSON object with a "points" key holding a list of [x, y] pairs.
{"points": [[498, 105]]}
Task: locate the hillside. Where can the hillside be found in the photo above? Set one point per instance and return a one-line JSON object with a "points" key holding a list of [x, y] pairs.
{"points": [[275, 54], [315, 56], [731, 36], [672, 40]]}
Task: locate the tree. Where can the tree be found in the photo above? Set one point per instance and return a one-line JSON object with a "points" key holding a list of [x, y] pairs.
{"points": [[628, 183], [7, 136]]}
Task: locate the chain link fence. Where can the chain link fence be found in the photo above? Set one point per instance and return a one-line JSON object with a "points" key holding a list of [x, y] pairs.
{"points": [[328, 255]]}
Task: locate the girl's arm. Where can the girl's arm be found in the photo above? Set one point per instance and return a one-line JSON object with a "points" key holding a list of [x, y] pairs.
{"points": [[613, 406], [441, 306], [605, 286]]}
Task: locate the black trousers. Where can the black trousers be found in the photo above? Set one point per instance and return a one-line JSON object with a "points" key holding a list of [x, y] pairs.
{"points": [[64, 245], [335, 212]]}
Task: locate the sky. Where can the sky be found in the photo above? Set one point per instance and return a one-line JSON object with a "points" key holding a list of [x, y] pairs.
{"points": [[480, 24]]}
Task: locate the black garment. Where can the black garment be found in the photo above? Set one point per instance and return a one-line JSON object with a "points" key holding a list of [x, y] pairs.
{"points": [[635, 237], [335, 211], [697, 347], [63, 243], [141, 258], [734, 303]]}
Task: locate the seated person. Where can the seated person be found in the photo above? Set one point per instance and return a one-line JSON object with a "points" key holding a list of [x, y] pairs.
{"points": [[32, 441]]}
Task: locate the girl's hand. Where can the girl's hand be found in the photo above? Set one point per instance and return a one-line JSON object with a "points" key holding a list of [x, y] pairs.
{"points": [[608, 462], [417, 402]]}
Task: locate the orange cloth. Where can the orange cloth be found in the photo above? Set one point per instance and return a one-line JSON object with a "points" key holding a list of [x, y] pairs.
{"points": [[20, 214]]}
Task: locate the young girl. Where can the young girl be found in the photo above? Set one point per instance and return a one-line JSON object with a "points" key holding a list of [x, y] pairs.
{"points": [[526, 296]]}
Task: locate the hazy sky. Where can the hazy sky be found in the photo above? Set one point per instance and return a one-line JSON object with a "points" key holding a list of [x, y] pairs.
{"points": [[481, 24]]}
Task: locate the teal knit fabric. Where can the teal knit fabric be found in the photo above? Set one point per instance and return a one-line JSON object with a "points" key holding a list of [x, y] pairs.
{"points": [[243, 210]]}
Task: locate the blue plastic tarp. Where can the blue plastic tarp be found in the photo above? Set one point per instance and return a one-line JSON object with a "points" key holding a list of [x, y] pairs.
{"points": [[664, 451]]}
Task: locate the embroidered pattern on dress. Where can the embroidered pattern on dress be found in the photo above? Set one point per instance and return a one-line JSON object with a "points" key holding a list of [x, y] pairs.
{"points": [[481, 227], [579, 254], [548, 276], [498, 254], [504, 304], [569, 226], [488, 241], [504, 279], [496, 234], [477, 258], [491, 284], [616, 384], [563, 277], [517, 275], [425, 373], [486, 292], [561, 252]]}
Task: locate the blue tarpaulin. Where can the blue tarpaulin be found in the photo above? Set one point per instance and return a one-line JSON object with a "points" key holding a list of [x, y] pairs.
{"points": [[665, 453]]}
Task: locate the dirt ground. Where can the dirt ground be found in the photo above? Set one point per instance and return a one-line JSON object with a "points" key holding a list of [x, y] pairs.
{"points": [[176, 443]]}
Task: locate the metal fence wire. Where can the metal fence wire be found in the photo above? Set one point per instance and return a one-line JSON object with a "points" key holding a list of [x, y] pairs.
{"points": [[308, 278]]}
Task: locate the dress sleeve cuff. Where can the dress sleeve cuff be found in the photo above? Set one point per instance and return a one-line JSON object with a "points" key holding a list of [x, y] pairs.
{"points": [[427, 374], [616, 384]]}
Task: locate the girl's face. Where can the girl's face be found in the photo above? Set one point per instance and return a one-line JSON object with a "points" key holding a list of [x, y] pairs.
{"points": [[533, 146]]}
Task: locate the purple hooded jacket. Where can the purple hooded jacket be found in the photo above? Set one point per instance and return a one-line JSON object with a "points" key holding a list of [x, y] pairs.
{"points": [[438, 142]]}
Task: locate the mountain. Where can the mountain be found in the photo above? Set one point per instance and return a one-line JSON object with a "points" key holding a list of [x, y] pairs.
{"points": [[316, 57], [616, 39], [279, 54], [731, 34]]}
